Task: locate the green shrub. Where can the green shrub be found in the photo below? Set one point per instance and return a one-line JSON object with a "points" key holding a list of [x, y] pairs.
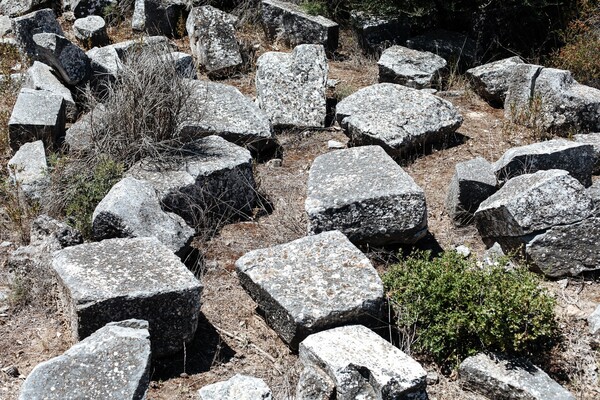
{"points": [[449, 308], [314, 7]]}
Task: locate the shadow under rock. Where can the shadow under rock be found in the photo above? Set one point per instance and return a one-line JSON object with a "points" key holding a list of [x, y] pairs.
{"points": [[448, 141], [204, 351]]}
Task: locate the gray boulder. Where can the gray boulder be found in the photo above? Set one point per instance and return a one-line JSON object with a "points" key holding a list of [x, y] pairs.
{"points": [[28, 169], [114, 362], [312, 284], [36, 115], [213, 181], [291, 88], [576, 158], [550, 99], [81, 134], [594, 322], [14, 8], [287, 22], [41, 77], [508, 379], [118, 279], [531, 203], [376, 32], [395, 117], [365, 195], [160, 17], [239, 387], [91, 31], [25, 27], [105, 64], [412, 68], [132, 209], [473, 182], [84, 8], [358, 364], [594, 192], [491, 80], [594, 140], [69, 60], [212, 40], [451, 46], [183, 63]]}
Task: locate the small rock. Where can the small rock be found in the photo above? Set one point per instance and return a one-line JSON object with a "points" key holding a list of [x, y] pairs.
{"points": [[490, 81], [594, 322], [11, 371], [463, 250], [335, 145], [91, 31], [275, 163], [240, 387], [433, 378]]}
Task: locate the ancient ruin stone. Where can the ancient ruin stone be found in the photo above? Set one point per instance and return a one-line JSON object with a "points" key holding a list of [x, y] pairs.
{"points": [[312, 284], [160, 17], [412, 68], [594, 140], [364, 194], [451, 46], [69, 60], [25, 27], [491, 80], [14, 8], [91, 31], [41, 77], [83, 8], [239, 387], [376, 32], [80, 135], [28, 169]]}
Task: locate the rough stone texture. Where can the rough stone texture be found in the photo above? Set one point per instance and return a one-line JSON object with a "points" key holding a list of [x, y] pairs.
{"points": [[396, 117], [473, 182], [112, 363], [25, 27], [287, 22], [594, 192], [491, 80], [594, 322], [28, 169], [50, 234], [412, 68], [132, 209], [83, 8], [214, 180], [291, 88], [503, 379], [142, 43], [37, 115], [118, 279], [239, 387], [566, 250], [14, 8], [212, 40], [375, 33], [576, 158], [184, 64], [160, 17], [531, 203], [218, 109], [451, 46], [41, 77], [91, 31], [69, 60], [551, 100], [362, 365], [5, 25], [594, 140], [80, 135], [105, 64], [312, 284], [364, 194]]}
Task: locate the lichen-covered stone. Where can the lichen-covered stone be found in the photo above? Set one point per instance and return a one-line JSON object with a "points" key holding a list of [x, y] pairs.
{"points": [[91, 31], [41, 77], [239, 387], [395, 117], [291, 88], [119, 279], [92, 125], [362, 365], [312, 284], [112, 363], [28, 169], [69, 60], [160, 17], [25, 27], [412, 68], [376, 32], [14, 8], [594, 140], [364, 194], [491, 80]]}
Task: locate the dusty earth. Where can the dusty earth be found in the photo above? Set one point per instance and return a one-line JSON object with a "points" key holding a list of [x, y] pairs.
{"points": [[231, 337]]}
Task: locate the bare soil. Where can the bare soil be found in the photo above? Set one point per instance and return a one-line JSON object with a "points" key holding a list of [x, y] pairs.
{"points": [[231, 337]]}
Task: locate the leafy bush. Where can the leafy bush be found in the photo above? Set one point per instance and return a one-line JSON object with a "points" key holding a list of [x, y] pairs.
{"points": [[449, 308]]}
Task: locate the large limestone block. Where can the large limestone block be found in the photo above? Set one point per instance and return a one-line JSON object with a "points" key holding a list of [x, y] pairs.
{"points": [[28, 169], [91, 31], [576, 158], [395, 117], [491, 80], [118, 279], [213, 181], [25, 27], [239, 387], [412, 68], [132, 209], [291, 88], [498, 378], [376, 32], [14, 8], [594, 140], [160, 17], [312, 284], [112, 363], [212, 39], [41, 77], [531, 203], [37, 115], [286, 21], [364, 194], [359, 364], [69, 60]]}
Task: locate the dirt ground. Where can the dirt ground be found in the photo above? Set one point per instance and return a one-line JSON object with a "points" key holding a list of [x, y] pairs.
{"points": [[231, 337]]}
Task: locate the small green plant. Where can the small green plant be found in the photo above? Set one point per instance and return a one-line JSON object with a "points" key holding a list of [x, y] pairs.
{"points": [[449, 308], [314, 7]]}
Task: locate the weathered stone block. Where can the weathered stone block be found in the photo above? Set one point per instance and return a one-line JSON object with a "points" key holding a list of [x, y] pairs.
{"points": [[375, 33], [91, 31], [28, 169], [491, 80], [412, 68], [68, 59], [41, 77], [25, 27]]}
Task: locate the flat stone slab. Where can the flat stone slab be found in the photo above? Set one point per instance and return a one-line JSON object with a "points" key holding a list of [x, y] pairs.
{"points": [[291, 87], [239, 387], [412, 68], [28, 169], [498, 378], [491, 80], [359, 364], [112, 363], [576, 158], [364, 194], [119, 279], [312, 284], [395, 117]]}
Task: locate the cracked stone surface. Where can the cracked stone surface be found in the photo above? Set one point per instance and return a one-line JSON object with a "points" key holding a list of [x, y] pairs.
{"points": [[491, 80]]}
